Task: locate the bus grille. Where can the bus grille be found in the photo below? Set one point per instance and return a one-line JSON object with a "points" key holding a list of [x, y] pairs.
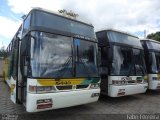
{"points": [[65, 87], [70, 87], [82, 86], [132, 81], [139, 81]]}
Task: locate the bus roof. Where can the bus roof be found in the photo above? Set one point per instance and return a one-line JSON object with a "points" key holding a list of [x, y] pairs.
{"points": [[112, 36], [152, 44], [111, 29], [57, 14], [46, 21], [150, 40]]}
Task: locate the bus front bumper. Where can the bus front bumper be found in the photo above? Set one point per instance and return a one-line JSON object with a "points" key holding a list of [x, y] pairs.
{"points": [[123, 90], [154, 84], [48, 101]]}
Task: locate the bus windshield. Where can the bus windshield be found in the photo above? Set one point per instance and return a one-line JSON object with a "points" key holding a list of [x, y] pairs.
{"points": [[127, 61], [85, 58], [56, 56], [123, 39], [155, 66], [59, 23]]}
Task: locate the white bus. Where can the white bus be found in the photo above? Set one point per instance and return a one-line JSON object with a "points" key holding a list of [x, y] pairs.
{"points": [[152, 58], [122, 65], [52, 62]]}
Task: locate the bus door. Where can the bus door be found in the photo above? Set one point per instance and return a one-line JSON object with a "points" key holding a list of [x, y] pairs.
{"points": [[23, 68], [106, 58], [14, 76]]}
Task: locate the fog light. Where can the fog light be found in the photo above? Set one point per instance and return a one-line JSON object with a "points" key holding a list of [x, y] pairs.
{"points": [[95, 94]]}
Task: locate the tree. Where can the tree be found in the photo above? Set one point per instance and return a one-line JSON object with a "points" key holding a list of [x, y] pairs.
{"points": [[3, 52], [154, 36], [70, 13], [24, 16]]}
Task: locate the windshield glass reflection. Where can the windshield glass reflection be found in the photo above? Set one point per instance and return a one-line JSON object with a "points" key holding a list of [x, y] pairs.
{"points": [[86, 63], [127, 61], [55, 56], [50, 54], [155, 66]]}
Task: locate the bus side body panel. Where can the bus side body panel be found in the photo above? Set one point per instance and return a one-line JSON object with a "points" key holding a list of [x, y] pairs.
{"points": [[10, 81]]}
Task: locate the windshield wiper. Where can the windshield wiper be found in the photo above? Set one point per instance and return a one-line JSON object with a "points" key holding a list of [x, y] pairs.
{"points": [[65, 67], [85, 67]]}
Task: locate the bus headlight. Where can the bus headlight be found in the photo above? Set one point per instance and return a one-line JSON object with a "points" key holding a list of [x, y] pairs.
{"points": [[95, 85], [116, 82], [154, 78], [41, 89], [119, 82]]}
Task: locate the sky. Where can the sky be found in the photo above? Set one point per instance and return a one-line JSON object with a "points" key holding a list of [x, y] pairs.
{"points": [[132, 16]]}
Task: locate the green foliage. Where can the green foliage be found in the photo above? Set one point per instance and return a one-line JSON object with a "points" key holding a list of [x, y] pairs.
{"points": [[69, 13], [24, 16], [3, 53], [154, 36]]}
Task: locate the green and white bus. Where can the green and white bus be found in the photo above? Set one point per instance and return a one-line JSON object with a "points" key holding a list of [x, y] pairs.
{"points": [[122, 66], [52, 62], [152, 58]]}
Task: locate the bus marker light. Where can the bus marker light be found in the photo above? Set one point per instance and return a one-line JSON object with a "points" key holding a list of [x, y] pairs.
{"points": [[32, 88]]}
